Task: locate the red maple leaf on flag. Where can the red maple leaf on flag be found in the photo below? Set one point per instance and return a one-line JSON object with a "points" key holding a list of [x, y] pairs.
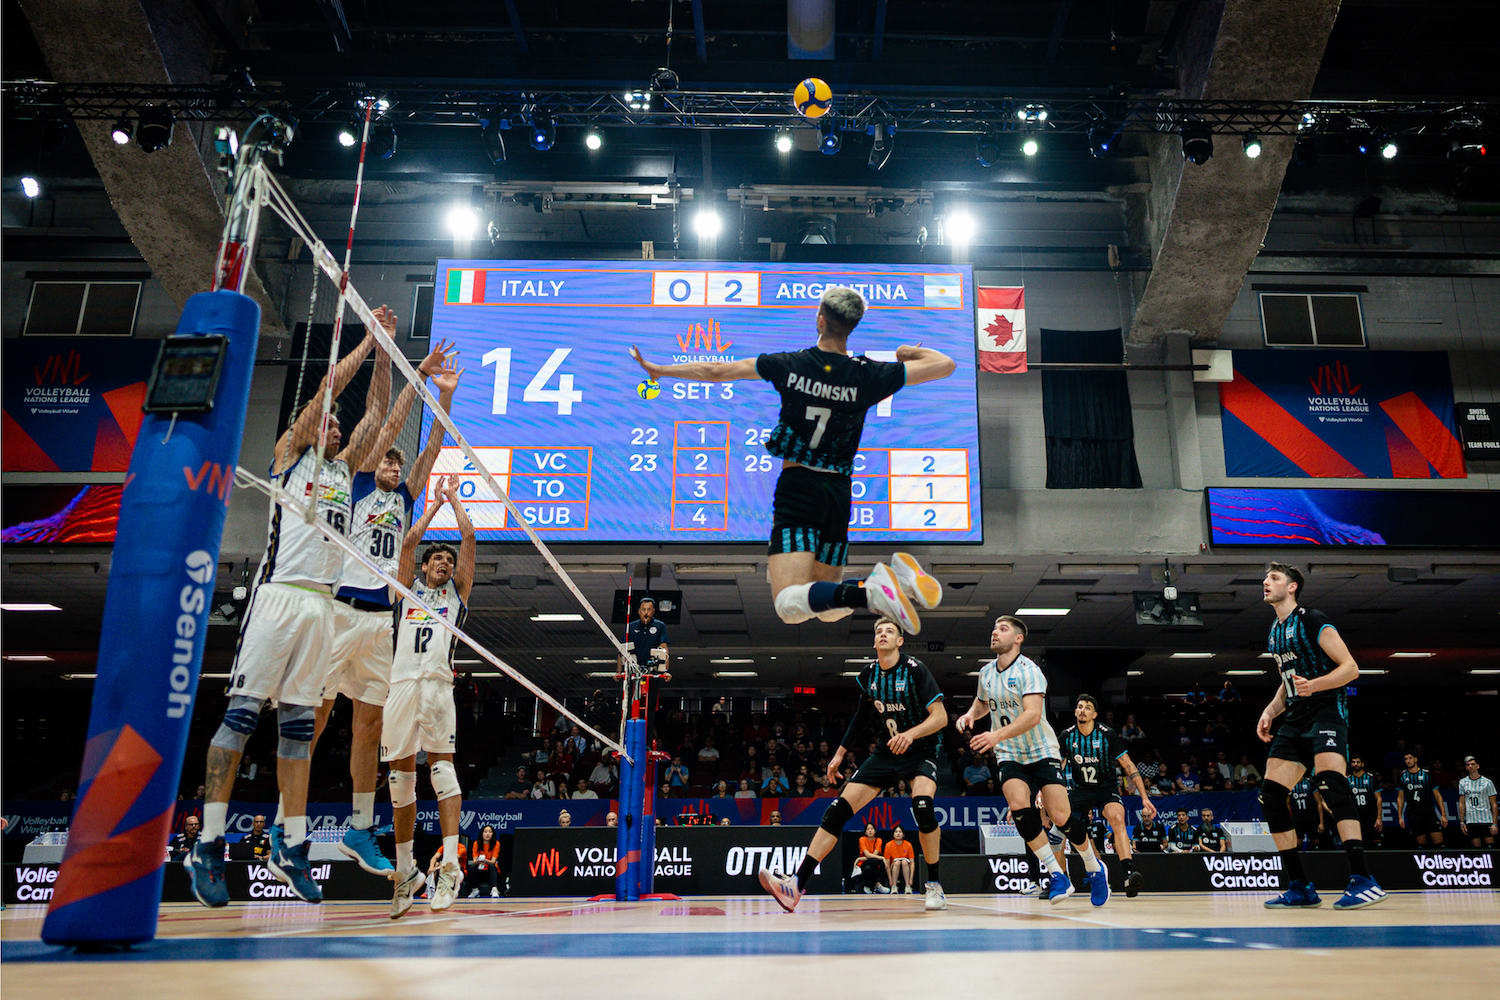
{"points": [[1001, 330]]}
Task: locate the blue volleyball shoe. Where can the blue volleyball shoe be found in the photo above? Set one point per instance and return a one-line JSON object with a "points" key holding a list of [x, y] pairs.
{"points": [[361, 847], [1098, 883], [1059, 888], [290, 864], [1361, 891], [1299, 895], [205, 867]]}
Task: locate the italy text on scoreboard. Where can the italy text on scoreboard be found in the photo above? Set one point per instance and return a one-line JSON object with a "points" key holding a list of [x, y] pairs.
{"points": [[552, 401]]}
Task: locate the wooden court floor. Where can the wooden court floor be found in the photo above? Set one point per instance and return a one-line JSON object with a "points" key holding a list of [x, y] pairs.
{"points": [[1178, 945]]}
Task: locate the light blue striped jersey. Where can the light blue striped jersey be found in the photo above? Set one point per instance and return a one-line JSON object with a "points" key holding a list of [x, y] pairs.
{"points": [[1002, 691]]}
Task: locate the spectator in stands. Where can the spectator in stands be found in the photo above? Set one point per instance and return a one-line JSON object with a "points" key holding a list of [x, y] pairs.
{"points": [[603, 777], [720, 712], [543, 788], [258, 839], [824, 790], [1183, 739], [564, 818], [1209, 740], [709, 754], [1186, 780], [900, 861], [665, 792], [775, 784], [744, 791], [184, 841], [775, 819], [902, 789], [1164, 785], [1246, 774], [1225, 770], [677, 774], [1181, 838], [751, 770], [1149, 765], [583, 791], [543, 753], [1229, 694], [721, 790], [612, 819], [1211, 836], [800, 788], [1150, 836], [975, 775], [725, 821], [484, 862], [870, 873], [1132, 732], [575, 743], [520, 785]]}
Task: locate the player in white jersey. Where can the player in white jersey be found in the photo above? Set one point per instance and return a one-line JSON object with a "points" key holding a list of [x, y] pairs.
{"points": [[360, 665], [419, 712], [1476, 806], [1013, 691], [287, 633]]}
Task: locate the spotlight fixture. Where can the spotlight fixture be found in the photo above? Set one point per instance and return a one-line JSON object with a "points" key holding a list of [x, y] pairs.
{"points": [[707, 224], [959, 227], [830, 141], [346, 137], [1308, 122], [987, 149], [543, 131], [884, 143], [1030, 147], [1032, 114], [154, 130], [783, 141], [30, 187], [462, 221], [638, 100], [1197, 142], [122, 131], [1251, 144], [382, 141], [493, 135], [1389, 149], [593, 140], [1101, 141], [664, 78]]}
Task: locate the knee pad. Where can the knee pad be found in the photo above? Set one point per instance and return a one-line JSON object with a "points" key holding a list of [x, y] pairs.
{"points": [[839, 812], [1336, 793], [1275, 802], [1076, 829], [791, 604], [444, 780], [1028, 823], [296, 723], [833, 614], [403, 789], [240, 720], [926, 816]]}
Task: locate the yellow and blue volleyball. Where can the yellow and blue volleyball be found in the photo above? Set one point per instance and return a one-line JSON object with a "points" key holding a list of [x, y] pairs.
{"points": [[648, 389], [812, 98]]}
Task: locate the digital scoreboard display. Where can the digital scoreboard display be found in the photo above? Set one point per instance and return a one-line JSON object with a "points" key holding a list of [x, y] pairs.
{"points": [[554, 405]]}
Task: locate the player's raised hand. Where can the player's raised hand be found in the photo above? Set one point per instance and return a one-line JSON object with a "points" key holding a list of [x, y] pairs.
{"points": [[1263, 728], [648, 367], [1302, 685], [963, 723], [386, 319], [437, 359], [446, 379], [899, 743]]}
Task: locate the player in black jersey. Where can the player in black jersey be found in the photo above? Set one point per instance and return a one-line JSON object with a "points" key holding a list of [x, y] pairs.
{"points": [[1367, 800], [900, 697], [1419, 807], [825, 393], [1315, 667], [1091, 752]]}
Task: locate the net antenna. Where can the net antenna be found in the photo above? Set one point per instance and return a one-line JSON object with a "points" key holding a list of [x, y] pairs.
{"points": [[253, 187]]}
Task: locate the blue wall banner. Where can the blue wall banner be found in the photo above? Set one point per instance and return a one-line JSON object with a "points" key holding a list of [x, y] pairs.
{"points": [[1285, 518], [1340, 414]]}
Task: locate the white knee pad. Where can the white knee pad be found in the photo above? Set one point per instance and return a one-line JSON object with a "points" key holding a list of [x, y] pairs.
{"points": [[403, 789], [791, 604], [833, 614], [444, 780]]}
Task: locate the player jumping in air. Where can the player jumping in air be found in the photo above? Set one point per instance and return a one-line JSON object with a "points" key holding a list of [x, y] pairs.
{"points": [[825, 393], [1315, 667], [898, 694]]}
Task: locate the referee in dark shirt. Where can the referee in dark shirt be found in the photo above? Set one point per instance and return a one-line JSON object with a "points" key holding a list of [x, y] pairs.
{"points": [[647, 638]]}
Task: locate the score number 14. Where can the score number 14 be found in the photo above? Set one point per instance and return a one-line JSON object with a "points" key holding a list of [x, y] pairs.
{"points": [[536, 390]]}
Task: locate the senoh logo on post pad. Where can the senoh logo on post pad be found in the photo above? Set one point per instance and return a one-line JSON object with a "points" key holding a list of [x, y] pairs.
{"points": [[191, 601], [1459, 870]]}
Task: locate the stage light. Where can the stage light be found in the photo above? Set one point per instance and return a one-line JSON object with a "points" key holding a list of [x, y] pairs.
{"points": [[1101, 141], [783, 141], [1389, 149], [707, 224], [463, 222], [1032, 114], [959, 227], [1251, 144], [155, 128], [987, 149], [382, 142], [593, 140], [830, 141], [543, 131], [1309, 121], [121, 132], [30, 187], [1030, 147], [884, 143], [346, 137], [638, 100], [1197, 142]]}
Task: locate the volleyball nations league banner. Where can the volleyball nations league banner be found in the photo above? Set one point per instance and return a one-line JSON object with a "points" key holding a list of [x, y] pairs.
{"points": [[1341, 414]]}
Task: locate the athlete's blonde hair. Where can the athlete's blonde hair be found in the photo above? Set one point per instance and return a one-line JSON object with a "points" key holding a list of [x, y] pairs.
{"points": [[843, 308]]}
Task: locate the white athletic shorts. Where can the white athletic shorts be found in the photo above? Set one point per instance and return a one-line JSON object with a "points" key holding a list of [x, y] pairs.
{"points": [[419, 715], [360, 668], [284, 643]]}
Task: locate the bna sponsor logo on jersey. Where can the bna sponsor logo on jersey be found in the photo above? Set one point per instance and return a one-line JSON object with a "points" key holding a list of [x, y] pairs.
{"points": [[1227, 871], [1456, 870]]}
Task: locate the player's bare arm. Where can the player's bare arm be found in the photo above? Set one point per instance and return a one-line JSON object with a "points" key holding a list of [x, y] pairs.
{"points": [[377, 400], [303, 433], [414, 536], [1346, 672], [937, 718], [976, 711], [437, 359], [698, 371], [1274, 709], [923, 364], [446, 380], [463, 572], [1134, 780], [1031, 714]]}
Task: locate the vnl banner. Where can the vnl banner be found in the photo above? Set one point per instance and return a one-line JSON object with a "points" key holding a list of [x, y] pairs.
{"points": [[1341, 414]]}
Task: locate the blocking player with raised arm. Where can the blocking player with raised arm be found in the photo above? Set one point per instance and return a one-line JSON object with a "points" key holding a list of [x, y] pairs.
{"points": [[360, 666], [419, 711], [1091, 752], [1476, 806], [900, 698], [1367, 800], [825, 394], [1315, 667], [286, 635], [1013, 692], [1419, 807]]}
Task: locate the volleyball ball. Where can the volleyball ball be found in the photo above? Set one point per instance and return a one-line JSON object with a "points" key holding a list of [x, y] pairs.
{"points": [[648, 389], [812, 98]]}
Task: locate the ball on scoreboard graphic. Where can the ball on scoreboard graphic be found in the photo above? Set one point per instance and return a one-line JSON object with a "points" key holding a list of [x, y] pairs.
{"points": [[812, 98], [648, 389]]}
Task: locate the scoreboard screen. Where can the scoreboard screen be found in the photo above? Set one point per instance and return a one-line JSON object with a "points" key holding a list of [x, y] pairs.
{"points": [[554, 405]]}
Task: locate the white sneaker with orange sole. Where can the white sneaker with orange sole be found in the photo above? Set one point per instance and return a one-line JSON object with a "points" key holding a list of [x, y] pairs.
{"points": [[915, 582]]}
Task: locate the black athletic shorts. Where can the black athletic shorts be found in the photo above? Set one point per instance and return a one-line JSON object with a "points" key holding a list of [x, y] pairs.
{"points": [[1421, 819], [883, 770], [1324, 732], [1036, 775], [811, 514], [1086, 799]]}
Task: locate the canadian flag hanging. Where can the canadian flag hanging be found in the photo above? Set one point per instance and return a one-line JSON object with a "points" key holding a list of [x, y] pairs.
{"points": [[1001, 323]]}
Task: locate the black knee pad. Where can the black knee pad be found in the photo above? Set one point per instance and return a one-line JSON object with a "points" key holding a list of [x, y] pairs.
{"points": [[1028, 823], [926, 816], [1076, 829], [839, 813], [1334, 788], [1275, 802]]}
